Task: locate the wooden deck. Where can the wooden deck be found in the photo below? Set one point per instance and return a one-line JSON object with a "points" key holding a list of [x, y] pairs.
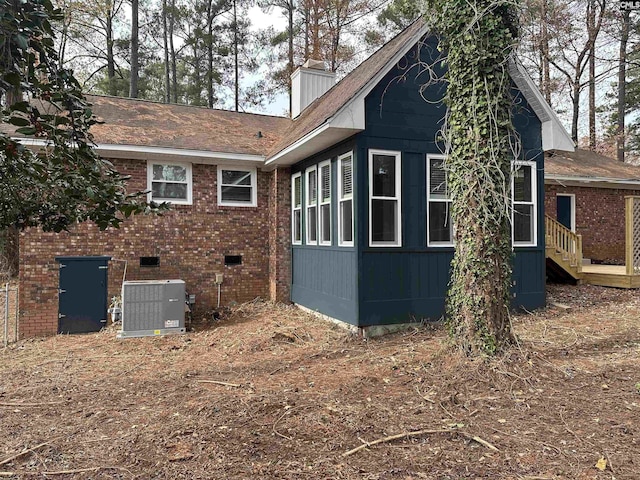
{"points": [[609, 276], [564, 250]]}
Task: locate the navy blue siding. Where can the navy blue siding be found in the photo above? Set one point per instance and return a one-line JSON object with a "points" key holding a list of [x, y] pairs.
{"points": [[325, 278], [410, 282]]}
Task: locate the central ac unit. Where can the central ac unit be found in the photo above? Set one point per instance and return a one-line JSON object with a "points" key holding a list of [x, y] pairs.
{"points": [[152, 307]]}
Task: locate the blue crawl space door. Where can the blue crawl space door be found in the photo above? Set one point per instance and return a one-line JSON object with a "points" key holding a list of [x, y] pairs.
{"points": [[82, 294], [564, 209]]}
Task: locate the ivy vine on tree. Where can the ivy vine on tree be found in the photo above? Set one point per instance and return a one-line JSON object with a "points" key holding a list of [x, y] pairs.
{"points": [[478, 37], [65, 181]]}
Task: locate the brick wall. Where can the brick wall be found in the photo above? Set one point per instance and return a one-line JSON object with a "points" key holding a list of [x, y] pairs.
{"points": [[191, 242], [599, 219], [280, 235]]}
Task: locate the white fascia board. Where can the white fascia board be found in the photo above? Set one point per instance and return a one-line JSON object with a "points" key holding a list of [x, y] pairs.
{"points": [[598, 182], [554, 135], [141, 152], [315, 141]]}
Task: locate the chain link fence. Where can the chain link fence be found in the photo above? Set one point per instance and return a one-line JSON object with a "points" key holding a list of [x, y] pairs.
{"points": [[8, 314]]}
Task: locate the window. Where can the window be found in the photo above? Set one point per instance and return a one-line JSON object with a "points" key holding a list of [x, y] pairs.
{"points": [[325, 202], [312, 205], [169, 182], [439, 229], [345, 200], [296, 209], [384, 199], [237, 187], [523, 190]]}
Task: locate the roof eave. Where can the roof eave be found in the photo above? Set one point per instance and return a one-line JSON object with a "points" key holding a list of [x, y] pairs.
{"points": [[594, 182], [144, 152], [321, 138]]}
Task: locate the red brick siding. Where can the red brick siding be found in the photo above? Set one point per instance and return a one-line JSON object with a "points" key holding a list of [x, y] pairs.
{"points": [[191, 241], [280, 235], [599, 219]]}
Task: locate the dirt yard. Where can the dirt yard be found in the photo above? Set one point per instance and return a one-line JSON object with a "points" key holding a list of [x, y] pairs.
{"points": [[270, 392]]}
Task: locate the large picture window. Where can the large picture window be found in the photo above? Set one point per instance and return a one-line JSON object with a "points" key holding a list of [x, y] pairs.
{"points": [[385, 209], [169, 182], [237, 187], [439, 229], [523, 190], [311, 187], [345, 200], [296, 209], [324, 189]]}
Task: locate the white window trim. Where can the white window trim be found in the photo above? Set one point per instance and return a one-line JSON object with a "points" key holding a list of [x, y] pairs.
{"points": [[150, 180], [450, 243], [397, 198], [254, 186], [294, 208], [572, 197], [534, 201], [322, 202], [342, 198], [308, 205]]}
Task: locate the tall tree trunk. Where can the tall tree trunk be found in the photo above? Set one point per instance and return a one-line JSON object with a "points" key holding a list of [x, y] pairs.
{"points": [[622, 83], [591, 26], [575, 102], [290, 8], [133, 85], [479, 127], [235, 56], [111, 64], [172, 50], [165, 34], [544, 47], [209, 43]]}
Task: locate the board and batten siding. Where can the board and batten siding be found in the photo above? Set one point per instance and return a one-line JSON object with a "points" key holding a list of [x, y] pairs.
{"points": [[325, 277], [409, 283]]}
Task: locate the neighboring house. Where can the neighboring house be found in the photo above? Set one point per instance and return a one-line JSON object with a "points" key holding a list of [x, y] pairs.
{"points": [[586, 192], [342, 209]]}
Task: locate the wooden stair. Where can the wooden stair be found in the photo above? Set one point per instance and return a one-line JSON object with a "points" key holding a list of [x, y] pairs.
{"points": [[563, 248]]}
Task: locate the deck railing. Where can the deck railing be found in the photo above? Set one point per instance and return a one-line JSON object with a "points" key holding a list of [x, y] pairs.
{"points": [[632, 234], [564, 241]]}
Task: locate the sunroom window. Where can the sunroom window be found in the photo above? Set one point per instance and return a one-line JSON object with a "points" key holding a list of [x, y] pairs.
{"points": [[169, 182], [439, 229], [345, 200], [524, 204], [384, 199], [312, 205], [325, 202], [296, 209]]}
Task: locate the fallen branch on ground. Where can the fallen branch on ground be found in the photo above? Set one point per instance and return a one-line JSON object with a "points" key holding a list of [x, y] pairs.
{"points": [[418, 433], [60, 472], [219, 383], [23, 452]]}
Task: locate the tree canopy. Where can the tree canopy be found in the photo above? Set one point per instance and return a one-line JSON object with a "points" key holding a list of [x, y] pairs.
{"points": [[63, 181]]}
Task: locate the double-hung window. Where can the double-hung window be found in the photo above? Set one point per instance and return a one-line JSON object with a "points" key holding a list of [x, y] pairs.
{"points": [[169, 182], [345, 200], [237, 187], [325, 201], [296, 209], [385, 209], [439, 229], [311, 187], [523, 190]]}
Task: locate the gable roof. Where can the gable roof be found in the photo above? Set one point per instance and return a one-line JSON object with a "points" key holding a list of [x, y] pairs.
{"points": [[339, 113], [321, 110], [587, 168]]}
